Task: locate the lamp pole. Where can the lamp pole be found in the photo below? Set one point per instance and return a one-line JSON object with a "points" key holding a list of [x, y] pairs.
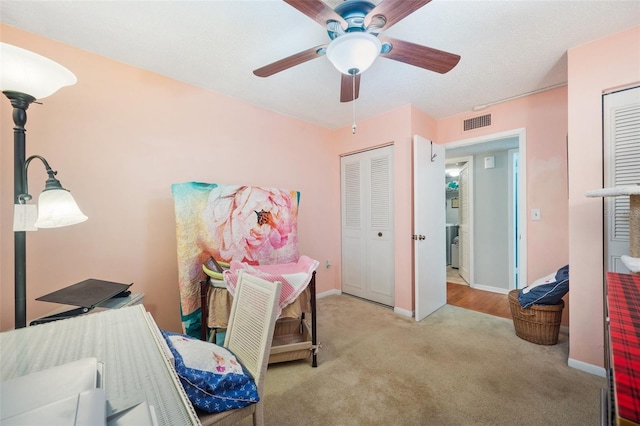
{"points": [[20, 103], [24, 77]]}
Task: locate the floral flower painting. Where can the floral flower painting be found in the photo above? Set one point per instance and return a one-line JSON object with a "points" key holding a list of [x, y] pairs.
{"points": [[248, 224], [252, 224]]}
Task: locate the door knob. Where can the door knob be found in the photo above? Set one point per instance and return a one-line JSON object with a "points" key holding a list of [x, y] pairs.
{"points": [[379, 234]]}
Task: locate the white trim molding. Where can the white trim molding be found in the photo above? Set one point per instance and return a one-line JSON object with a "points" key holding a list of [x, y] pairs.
{"points": [[332, 292], [587, 368], [403, 312]]}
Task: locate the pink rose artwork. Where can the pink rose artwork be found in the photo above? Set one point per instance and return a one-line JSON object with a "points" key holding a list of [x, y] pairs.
{"points": [[252, 224]]}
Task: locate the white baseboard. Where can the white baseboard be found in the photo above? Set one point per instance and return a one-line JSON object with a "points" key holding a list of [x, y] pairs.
{"points": [[587, 368], [403, 312], [327, 293], [491, 289]]}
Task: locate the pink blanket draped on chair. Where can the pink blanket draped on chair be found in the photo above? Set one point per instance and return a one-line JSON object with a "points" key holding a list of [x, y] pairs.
{"points": [[294, 276]]}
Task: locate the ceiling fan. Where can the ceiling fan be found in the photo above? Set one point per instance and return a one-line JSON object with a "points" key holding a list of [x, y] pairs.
{"points": [[354, 27]]}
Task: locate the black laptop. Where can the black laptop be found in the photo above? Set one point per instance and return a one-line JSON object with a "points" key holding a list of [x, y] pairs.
{"points": [[86, 295]]}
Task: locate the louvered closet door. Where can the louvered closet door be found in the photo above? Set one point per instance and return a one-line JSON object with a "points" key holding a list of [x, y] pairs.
{"points": [[621, 120], [367, 225], [353, 243]]}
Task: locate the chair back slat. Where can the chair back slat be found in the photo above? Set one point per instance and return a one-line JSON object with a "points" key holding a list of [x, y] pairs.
{"points": [[251, 323]]}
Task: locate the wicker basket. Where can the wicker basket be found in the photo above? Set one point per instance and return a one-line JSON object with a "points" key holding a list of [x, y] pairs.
{"points": [[538, 324]]}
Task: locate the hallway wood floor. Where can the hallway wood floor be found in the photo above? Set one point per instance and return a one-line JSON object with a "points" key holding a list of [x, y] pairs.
{"points": [[463, 296]]}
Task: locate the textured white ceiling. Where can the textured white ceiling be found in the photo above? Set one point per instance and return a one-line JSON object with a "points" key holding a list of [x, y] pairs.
{"points": [[507, 47]]}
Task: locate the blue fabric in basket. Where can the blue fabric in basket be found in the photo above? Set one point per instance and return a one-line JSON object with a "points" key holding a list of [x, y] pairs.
{"points": [[211, 375], [549, 293]]}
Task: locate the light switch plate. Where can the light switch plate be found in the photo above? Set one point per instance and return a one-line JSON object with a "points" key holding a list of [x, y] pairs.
{"points": [[535, 214], [489, 162]]}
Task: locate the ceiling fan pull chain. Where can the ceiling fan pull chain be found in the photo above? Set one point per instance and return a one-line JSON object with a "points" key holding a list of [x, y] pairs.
{"points": [[353, 89]]}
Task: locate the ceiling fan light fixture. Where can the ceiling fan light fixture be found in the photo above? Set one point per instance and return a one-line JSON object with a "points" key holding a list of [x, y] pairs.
{"points": [[353, 53], [453, 172]]}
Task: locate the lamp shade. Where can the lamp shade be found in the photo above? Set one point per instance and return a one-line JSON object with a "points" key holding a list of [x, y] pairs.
{"points": [[353, 53], [27, 72], [56, 208]]}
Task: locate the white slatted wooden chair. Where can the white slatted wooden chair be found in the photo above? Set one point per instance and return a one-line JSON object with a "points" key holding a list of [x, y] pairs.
{"points": [[249, 335]]}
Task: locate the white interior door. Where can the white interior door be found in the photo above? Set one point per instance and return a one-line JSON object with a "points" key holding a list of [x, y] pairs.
{"points": [[621, 121], [464, 229], [429, 227], [367, 225]]}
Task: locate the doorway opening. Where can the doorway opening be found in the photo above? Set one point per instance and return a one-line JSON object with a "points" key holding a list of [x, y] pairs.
{"points": [[494, 247], [458, 180]]}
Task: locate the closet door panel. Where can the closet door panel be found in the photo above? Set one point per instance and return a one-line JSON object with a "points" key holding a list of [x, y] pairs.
{"points": [[381, 263], [367, 225], [353, 243], [622, 168]]}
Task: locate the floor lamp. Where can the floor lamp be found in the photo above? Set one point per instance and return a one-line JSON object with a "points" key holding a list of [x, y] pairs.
{"points": [[24, 77]]}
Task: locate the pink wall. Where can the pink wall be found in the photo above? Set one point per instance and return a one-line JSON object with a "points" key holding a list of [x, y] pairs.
{"points": [[593, 67], [119, 138], [397, 127], [131, 214], [544, 116], [122, 135]]}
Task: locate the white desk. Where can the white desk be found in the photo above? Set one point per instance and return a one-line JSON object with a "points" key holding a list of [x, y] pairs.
{"points": [[126, 340]]}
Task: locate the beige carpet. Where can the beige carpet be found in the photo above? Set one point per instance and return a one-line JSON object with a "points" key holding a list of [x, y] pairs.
{"points": [[457, 367]]}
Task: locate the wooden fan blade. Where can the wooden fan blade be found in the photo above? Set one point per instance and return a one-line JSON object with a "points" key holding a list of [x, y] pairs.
{"points": [[346, 88], [420, 56], [394, 11], [289, 61], [317, 10]]}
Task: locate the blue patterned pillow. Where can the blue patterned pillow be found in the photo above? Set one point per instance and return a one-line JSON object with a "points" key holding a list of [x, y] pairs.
{"points": [[548, 290], [211, 375]]}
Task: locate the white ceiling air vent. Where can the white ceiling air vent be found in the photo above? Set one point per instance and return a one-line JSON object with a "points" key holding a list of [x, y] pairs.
{"points": [[477, 122]]}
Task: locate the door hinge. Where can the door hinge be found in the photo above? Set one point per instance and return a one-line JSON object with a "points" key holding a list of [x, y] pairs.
{"points": [[418, 237]]}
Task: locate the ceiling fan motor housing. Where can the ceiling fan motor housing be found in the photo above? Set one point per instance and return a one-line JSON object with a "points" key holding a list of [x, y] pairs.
{"points": [[353, 12]]}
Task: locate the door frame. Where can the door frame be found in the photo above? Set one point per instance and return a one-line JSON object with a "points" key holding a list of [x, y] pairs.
{"points": [[367, 276], [521, 134], [514, 222], [614, 246], [469, 160]]}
